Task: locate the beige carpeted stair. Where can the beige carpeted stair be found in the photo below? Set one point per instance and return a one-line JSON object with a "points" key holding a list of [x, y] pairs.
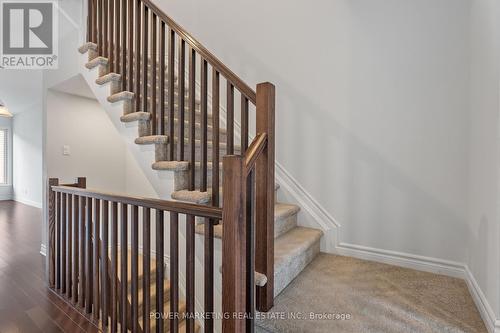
{"points": [[295, 246], [166, 294]]}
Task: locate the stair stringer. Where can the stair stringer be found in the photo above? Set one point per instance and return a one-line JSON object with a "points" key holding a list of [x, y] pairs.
{"points": [[162, 182]]}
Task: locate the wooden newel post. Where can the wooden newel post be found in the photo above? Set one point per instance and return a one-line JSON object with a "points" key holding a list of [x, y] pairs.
{"points": [[51, 231], [264, 189], [81, 182], [234, 282]]}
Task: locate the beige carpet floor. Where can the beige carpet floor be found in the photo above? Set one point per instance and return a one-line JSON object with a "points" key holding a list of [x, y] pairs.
{"points": [[376, 297]]}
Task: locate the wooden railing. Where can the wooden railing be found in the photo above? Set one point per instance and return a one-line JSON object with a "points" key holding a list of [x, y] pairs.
{"points": [[170, 73], [88, 262]]}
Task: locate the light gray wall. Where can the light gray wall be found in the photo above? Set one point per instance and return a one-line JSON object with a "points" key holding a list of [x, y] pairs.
{"points": [[6, 190], [483, 243], [96, 149]]}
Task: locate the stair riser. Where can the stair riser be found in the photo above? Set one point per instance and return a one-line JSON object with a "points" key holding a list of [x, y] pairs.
{"points": [[282, 226], [283, 277]]}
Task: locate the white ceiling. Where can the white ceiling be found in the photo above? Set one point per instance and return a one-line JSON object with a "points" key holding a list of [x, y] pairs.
{"points": [[20, 89]]}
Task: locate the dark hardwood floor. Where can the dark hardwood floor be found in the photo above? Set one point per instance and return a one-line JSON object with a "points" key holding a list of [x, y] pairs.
{"points": [[26, 304]]}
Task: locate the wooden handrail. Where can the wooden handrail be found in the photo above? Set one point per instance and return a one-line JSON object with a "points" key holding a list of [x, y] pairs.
{"points": [[166, 205], [255, 150], [142, 45], [206, 54]]}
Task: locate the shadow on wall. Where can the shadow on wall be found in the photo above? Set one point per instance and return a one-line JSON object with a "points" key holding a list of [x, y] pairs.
{"points": [[376, 204]]}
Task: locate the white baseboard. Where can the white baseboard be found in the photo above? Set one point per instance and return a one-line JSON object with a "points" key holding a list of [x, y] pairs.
{"points": [[318, 217], [421, 263], [28, 202], [487, 313], [428, 264]]}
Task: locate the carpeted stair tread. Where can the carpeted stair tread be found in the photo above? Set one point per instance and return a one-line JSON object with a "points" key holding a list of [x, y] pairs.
{"points": [[135, 116], [281, 212], [151, 139], [199, 197], [293, 242], [292, 252], [171, 165], [196, 196], [121, 96], [96, 62], [108, 78], [86, 47]]}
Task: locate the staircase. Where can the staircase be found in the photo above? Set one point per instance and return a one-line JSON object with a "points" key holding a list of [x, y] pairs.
{"points": [[157, 74]]}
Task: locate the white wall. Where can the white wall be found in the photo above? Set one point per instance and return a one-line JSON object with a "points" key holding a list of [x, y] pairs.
{"points": [[27, 150], [21, 90], [483, 255], [6, 190], [97, 151]]}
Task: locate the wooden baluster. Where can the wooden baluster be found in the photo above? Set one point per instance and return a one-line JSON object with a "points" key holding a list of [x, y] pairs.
{"points": [[230, 119], [95, 259], [100, 45], [124, 44], [81, 251], [244, 124], [146, 281], [171, 94], [159, 269], [64, 224], [69, 236], [130, 74], [76, 247], [145, 58], [181, 84], [192, 118], [89, 21], [114, 267], [111, 36], [95, 23], [135, 268], [154, 55], [124, 268], [138, 36], [264, 204], [250, 244], [51, 218], [234, 248], [105, 14], [215, 137], [118, 45], [190, 278], [89, 275], [58, 240], [208, 264], [204, 118], [104, 263], [162, 80], [174, 271]]}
